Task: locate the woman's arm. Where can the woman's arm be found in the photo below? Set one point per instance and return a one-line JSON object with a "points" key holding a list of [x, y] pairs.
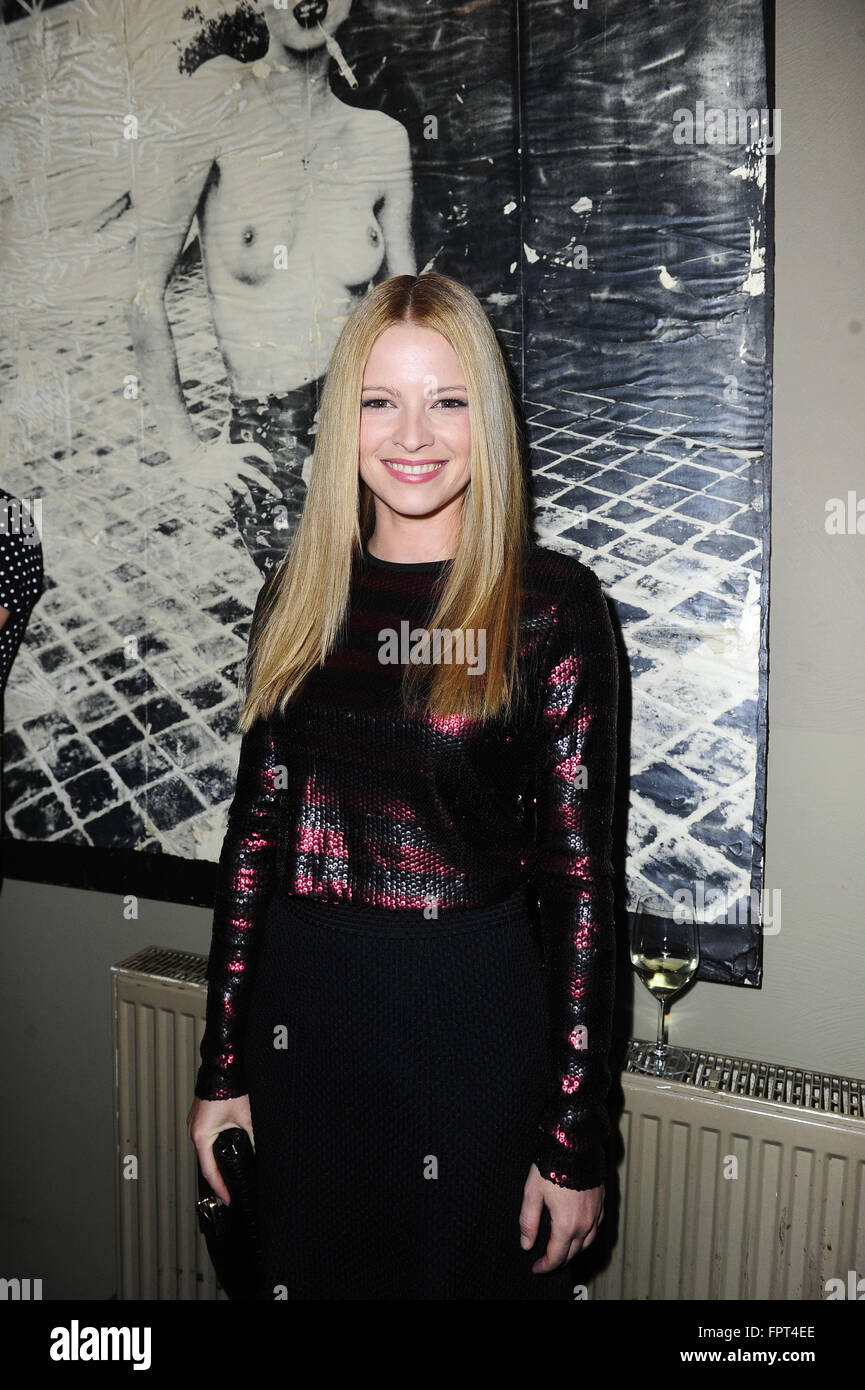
{"points": [[245, 884], [170, 175], [575, 787], [395, 214], [21, 576]]}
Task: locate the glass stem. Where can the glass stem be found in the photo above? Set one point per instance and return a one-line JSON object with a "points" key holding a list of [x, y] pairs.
{"points": [[661, 1006]]}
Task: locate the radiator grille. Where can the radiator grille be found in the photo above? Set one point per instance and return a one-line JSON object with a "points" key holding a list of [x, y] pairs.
{"points": [[162, 964], [738, 1076]]}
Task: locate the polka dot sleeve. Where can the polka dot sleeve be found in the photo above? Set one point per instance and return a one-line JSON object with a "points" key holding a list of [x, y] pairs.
{"points": [[20, 575]]}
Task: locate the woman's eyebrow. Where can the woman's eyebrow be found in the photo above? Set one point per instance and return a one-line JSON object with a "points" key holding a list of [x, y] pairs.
{"points": [[394, 392]]}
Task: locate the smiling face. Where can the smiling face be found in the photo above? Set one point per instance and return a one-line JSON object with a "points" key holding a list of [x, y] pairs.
{"points": [[415, 434]]}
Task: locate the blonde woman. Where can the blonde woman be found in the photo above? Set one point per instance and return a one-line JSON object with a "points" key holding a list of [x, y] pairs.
{"points": [[423, 1076]]}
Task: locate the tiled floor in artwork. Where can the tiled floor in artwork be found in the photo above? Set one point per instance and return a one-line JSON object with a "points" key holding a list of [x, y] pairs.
{"points": [[672, 528]]}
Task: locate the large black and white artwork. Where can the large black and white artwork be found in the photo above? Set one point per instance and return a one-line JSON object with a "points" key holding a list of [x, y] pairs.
{"points": [[194, 197]]}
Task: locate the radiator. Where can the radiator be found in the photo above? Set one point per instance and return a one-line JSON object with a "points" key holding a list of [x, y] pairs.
{"points": [[158, 1001], [785, 1218], [681, 1220]]}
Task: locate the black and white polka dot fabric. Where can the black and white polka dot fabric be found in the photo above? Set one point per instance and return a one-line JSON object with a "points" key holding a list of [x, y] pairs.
{"points": [[20, 576]]}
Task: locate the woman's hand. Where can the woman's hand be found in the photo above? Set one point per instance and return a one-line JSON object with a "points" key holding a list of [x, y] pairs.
{"points": [[212, 468], [575, 1218], [204, 1121]]}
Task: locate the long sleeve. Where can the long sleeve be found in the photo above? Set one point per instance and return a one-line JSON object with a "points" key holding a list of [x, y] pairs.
{"points": [[574, 788], [245, 882], [21, 576], [244, 886]]}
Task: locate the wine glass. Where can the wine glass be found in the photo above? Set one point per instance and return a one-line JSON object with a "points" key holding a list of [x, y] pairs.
{"points": [[665, 953]]}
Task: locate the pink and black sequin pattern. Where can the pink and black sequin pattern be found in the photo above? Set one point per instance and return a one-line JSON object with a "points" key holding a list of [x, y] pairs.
{"points": [[400, 811]]}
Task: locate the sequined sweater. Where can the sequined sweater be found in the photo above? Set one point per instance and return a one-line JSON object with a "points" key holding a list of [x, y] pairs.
{"points": [[349, 798]]}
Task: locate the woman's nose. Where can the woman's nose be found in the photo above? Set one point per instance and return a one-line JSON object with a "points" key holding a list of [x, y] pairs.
{"points": [[413, 429]]}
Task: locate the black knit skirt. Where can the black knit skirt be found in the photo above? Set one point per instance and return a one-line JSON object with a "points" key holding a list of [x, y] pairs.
{"points": [[397, 1067]]}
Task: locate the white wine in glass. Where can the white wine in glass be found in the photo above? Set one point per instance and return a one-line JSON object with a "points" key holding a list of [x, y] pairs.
{"points": [[665, 954], [664, 976]]}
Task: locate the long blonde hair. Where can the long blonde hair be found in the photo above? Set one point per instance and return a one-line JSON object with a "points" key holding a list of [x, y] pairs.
{"points": [[305, 604]]}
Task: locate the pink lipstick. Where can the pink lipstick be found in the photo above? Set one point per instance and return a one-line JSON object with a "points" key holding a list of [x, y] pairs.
{"points": [[414, 470]]}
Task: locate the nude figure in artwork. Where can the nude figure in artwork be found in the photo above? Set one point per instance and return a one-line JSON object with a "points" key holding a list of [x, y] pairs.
{"points": [[301, 202]]}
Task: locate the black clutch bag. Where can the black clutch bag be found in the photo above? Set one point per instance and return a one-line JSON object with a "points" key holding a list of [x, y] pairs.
{"points": [[232, 1232]]}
